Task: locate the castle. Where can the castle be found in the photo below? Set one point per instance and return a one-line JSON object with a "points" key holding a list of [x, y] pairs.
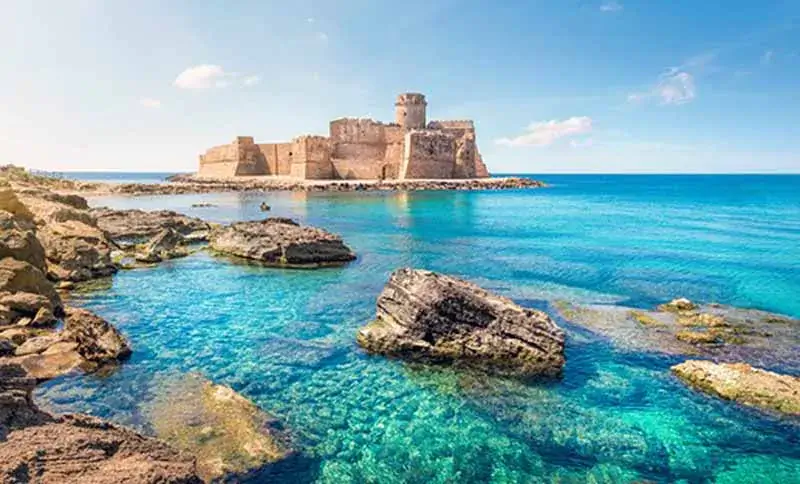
{"points": [[360, 149]]}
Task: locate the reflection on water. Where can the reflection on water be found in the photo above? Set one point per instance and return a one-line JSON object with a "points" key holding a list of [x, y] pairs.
{"points": [[286, 338]]}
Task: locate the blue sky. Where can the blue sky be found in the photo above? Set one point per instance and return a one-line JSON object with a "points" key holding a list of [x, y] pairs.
{"points": [[554, 86]]}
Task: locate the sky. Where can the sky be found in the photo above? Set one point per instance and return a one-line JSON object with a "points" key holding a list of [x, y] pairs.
{"points": [[560, 86]]}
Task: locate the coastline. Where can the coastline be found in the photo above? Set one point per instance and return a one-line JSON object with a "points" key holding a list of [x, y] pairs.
{"points": [[188, 184]]}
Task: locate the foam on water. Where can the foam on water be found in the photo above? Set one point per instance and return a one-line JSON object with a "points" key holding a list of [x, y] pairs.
{"points": [[286, 338]]}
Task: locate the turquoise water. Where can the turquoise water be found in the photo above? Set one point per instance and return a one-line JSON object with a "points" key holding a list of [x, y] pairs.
{"points": [[286, 338]]}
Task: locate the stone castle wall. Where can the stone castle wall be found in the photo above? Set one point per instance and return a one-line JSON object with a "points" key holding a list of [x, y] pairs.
{"points": [[359, 148]]}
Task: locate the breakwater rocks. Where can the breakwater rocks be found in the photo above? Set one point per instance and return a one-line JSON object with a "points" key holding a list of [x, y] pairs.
{"points": [[744, 384], [281, 242], [429, 317], [184, 184]]}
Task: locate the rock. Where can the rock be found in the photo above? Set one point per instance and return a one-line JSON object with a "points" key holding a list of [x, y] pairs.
{"points": [[18, 241], [427, 316], [21, 277], [37, 344], [133, 226], [74, 201], [678, 305], [227, 433], [38, 447], [76, 251], [98, 341], [164, 245], [49, 211], [743, 383], [17, 335], [25, 303], [50, 363], [281, 242], [264, 207], [203, 205], [44, 317]]}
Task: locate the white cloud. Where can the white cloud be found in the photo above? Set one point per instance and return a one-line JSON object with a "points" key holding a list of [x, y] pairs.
{"points": [[611, 6], [674, 87], [766, 58], [322, 36], [204, 76], [251, 80], [547, 132], [150, 103]]}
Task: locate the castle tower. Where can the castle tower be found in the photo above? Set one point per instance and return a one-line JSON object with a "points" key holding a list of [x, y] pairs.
{"points": [[409, 110]]}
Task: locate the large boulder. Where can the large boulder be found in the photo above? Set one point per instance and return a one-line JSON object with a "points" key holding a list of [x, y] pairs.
{"points": [[24, 289], [38, 447], [97, 340], [137, 225], [281, 242], [429, 317], [229, 435], [75, 248], [743, 383], [76, 251]]}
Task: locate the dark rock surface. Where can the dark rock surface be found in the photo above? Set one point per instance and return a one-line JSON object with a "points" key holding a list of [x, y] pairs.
{"points": [[429, 317], [281, 242]]}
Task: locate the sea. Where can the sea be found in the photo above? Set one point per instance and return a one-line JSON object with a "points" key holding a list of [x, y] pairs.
{"points": [[286, 338]]}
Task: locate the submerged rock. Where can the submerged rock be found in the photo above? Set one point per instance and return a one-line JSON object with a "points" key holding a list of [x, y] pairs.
{"points": [[281, 242], [724, 333], [137, 225], [743, 383], [425, 316], [38, 447], [227, 433]]}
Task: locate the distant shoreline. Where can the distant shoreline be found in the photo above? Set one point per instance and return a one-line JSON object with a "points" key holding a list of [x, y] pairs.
{"points": [[188, 184]]}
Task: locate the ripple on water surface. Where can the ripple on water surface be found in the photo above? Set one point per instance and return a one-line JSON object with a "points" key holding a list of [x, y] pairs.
{"points": [[286, 338]]}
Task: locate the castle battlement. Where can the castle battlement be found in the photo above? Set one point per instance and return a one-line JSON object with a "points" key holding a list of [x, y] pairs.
{"points": [[360, 148]]}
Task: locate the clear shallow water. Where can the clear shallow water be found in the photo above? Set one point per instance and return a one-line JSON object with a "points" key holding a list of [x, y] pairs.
{"points": [[286, 338]]}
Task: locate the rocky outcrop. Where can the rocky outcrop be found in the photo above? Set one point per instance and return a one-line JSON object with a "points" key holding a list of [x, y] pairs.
{"points": [[425, 316], [75, 248], [229, 435], [165, 245], [86, 342], [38, 447], [682, 327], [744, 384], [24, 292], [281, 242], [128, 227], [18, 240]]}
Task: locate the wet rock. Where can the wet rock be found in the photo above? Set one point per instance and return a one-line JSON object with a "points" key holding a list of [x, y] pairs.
{"points": [[228, 434], [133, 226], [98, 341], [743, 383], [38, 447], [163, 246], [281, 242], [426, 316]]}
